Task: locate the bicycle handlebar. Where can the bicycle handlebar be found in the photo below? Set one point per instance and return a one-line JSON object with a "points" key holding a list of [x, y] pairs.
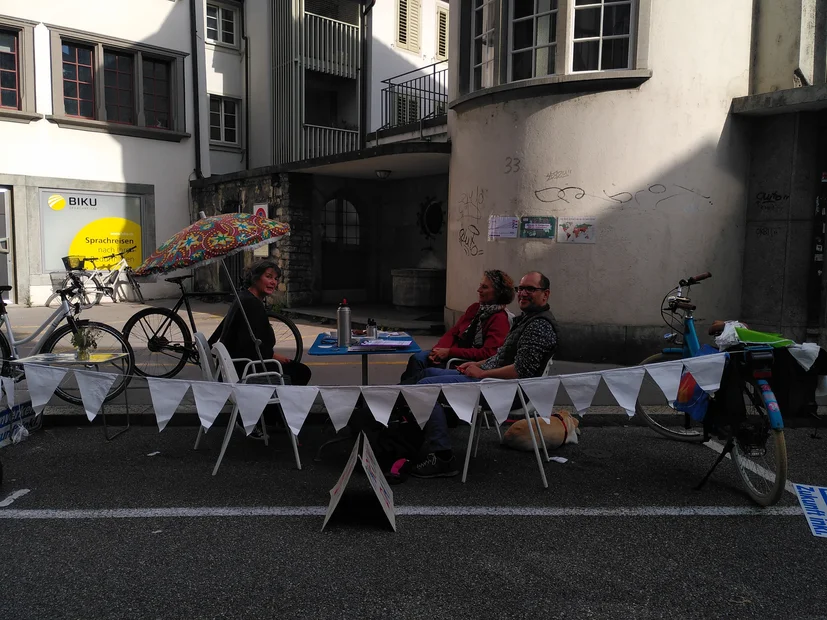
{"points": [[695, 279], [132, 249]]}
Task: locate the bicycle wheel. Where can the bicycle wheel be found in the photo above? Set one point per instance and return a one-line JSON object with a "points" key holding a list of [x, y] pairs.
{"points": [[136, 288], [760, 452], [161, 340], [664, 419], [288, 338], [109, 340]]}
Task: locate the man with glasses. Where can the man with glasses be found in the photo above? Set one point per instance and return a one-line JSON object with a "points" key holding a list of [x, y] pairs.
{"points": [[527, 349]]}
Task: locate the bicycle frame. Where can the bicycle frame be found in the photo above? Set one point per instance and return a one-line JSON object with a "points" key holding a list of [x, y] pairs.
{"points": [[49, 326]]}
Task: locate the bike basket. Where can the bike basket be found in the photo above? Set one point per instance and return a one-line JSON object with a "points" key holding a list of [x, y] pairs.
{"points": [[74, 262]]}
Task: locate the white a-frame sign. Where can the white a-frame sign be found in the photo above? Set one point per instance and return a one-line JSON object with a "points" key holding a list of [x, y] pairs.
{"points": [[375, 477]]}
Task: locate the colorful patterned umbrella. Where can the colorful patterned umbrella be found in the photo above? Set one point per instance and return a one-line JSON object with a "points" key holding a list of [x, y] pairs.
{"points": [[212, 238]]}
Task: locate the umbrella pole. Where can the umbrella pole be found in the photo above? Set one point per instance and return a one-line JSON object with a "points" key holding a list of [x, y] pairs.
{"points": [[244, 314]]}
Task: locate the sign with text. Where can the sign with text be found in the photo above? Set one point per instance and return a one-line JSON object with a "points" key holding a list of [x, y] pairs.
{"points": [[813, 502], [538, 227], [89, 224], [10, 418], [375, 477]]}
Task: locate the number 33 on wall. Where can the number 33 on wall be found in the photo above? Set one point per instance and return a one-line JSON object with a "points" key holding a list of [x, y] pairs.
{"points": [[512, 165]]}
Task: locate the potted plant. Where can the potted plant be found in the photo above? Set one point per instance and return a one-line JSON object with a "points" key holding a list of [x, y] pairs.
{"points": [[84, 339]]}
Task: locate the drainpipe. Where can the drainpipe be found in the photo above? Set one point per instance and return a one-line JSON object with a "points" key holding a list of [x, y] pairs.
{"points": [[246, 87], [363, 86], [196, 100]]}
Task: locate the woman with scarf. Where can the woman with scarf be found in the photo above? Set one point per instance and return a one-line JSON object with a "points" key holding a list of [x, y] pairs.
{"points": [[478, 333]]}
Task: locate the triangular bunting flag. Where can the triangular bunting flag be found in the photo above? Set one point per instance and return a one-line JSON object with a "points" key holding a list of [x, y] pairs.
{"points": [[296, 401], [707, 370], [8, 390], [210, 398], [94, 386], [421, 400], [340, 403], [499, 395], [166, 395], [380, 400], [668, 377], [42, 381], [542, 392], [463, 398], [624, 384], [581, 389], [251, 401]]}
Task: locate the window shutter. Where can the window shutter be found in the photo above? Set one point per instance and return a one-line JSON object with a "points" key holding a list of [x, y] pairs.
{"points": [[441, 34], [402, 24], [407, 25]]}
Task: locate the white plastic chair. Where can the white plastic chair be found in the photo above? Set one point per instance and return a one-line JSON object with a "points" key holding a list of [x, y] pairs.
{"points": [[532, 418], [226, 369]]}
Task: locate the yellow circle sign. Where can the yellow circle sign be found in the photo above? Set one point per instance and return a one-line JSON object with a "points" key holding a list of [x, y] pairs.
{"points": [[57, 202], [107, 236]]}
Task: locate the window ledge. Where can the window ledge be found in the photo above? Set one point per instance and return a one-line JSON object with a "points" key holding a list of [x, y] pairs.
{"points": [[223, 47], [228, 148], [18, 116], [118, 129], [553, 85]]}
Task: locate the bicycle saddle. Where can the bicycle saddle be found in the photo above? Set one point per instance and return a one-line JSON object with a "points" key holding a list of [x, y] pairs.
{"points": [[178, 279], [5, 289]]}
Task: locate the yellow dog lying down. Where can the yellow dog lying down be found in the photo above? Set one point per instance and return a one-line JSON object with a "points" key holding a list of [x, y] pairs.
{"points": [[561, 429]]}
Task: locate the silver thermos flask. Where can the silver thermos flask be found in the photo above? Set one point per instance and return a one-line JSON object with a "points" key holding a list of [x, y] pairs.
{"points": [[343, 324], [372, 331]]}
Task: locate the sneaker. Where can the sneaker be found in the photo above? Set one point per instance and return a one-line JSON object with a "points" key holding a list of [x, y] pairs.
{"points": [[434, 467]]}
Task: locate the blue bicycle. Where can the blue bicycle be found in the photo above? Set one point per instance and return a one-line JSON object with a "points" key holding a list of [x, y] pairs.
{"points": [[754, 433]]}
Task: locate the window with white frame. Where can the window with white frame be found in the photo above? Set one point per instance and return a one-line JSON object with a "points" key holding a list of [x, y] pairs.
{"points": [[224, 123], [407, 24], [483, 31], [441, 33], [221, 24], [602, 35], [533, 37]]}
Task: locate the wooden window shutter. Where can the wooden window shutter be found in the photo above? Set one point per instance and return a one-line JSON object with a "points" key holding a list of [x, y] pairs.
{"points": [[407, 25], [441, 34]]}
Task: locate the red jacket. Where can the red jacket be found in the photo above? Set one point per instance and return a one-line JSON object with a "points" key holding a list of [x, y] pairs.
{"points": [[494, 332]]}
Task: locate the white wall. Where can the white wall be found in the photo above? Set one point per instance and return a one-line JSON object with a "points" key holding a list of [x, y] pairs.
{"points": [[387, 60], [260, 32], [43, 149], [673, 131]]}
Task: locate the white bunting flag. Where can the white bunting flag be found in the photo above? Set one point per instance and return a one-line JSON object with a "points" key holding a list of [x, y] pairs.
{"points": [[463, 398], [166, 395], [8, 390], [42, 381], [340, 403], [380, 400], [94, 386], [210, 398], [542, 392], [421, 400], [581, 389], [499, 396], [251, 401], [296, 401], [707, 370], [624, 384], [668, 377]]}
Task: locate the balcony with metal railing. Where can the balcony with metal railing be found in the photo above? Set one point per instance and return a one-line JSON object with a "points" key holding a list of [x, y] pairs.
{"points": [[330, 46], [415, 96], [325, 141]]}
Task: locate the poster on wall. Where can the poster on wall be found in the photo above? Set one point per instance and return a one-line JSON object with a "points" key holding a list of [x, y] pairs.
{"points": [[577, 230], [502, 227], [89, 224], [534, 227]]}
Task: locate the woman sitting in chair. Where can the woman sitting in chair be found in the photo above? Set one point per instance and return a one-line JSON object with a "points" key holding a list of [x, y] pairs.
{"points": [[260, 281], [478, 333]]}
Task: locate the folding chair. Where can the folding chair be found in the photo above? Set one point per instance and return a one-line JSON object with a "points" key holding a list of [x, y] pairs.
{"points": [[226, 368]]}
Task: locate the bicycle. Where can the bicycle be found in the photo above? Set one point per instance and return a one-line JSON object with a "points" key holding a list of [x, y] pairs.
{"points": [[754, 436], [97, 283], [59, 340], [163, 342]]}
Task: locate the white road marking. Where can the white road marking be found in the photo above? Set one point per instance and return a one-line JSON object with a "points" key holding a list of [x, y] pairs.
{"points": [[753, 467], [413, 511], [10, 499]]}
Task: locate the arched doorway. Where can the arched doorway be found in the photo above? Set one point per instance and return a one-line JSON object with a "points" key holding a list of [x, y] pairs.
{"points": [[344, 267]]}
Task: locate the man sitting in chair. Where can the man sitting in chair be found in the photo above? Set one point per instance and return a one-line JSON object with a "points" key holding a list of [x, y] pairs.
{"points": [[527, 349]]}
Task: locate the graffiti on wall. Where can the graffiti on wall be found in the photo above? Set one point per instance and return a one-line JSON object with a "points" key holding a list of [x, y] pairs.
{"points": [[469, 215]]}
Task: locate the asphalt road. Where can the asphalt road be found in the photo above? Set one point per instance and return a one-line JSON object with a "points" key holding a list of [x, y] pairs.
{"points": [[138, 528]]}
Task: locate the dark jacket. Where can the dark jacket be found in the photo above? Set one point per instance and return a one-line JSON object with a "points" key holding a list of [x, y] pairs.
{"points": [[233, 333]]}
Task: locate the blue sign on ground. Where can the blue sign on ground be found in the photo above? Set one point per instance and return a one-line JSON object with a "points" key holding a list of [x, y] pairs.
{"points": [[9, 418], [813, 502]]}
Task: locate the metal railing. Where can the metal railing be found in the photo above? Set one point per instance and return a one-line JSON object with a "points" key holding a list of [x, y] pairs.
{"points": [[325, 141], [331, 46], [422, 94]]}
